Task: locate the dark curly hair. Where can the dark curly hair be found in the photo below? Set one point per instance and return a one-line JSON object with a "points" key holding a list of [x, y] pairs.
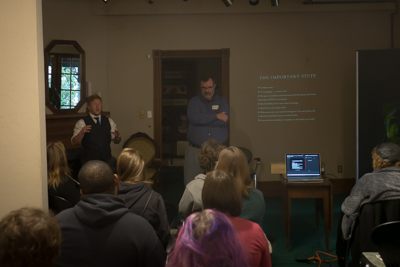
{"points": [[208, 154]]}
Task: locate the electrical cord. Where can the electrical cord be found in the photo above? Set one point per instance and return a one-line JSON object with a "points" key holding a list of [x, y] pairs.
{"points": [[318, 259]]}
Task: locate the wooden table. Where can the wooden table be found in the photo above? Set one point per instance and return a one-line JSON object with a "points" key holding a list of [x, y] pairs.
{"points": [[322, 190]]}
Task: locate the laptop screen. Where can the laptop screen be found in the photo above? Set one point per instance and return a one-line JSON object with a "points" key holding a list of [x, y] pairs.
{"points": [[302, 165]]}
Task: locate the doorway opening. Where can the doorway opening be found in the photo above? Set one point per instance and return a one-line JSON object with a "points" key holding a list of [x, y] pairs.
{"points": [[176, 80]]}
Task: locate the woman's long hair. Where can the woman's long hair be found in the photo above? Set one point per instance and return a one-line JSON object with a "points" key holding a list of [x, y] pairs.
{"points": [[57, 165], [130, 166], [232, 160], [208, 239]]}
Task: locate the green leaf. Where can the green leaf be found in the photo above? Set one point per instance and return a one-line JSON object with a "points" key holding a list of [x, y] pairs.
{"points": [[387, 121], [392, 131]]}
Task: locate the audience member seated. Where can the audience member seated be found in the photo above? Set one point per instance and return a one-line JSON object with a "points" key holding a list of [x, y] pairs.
{"points": [[222, 192], [233, 161], [207, 239], [101, 231], [382, 184], [191, 198], [29, 237], [138, 195], [59, 181]]}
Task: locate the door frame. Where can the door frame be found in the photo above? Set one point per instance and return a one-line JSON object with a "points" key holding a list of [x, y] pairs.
{"points": [[158, 55]]}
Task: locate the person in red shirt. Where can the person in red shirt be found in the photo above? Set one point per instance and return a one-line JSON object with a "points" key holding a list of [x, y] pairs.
{"points": [[222, 192]]}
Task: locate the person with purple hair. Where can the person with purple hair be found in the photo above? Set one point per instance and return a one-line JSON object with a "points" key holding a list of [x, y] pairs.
{"points": [[207, 239]]}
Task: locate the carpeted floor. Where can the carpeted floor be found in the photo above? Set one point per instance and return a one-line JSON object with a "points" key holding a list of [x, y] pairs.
{"points": [[305, 239]]}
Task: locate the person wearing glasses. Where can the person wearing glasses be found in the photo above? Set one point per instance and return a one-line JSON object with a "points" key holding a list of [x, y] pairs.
{"points": [[95, 133], [208, 116]]}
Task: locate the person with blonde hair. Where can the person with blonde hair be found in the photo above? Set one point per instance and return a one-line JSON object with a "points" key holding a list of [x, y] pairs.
{"points": [[208, 239], [29, 237], [59, 180], [380, 185], [138, 195], [233, 161], [222, 192]]}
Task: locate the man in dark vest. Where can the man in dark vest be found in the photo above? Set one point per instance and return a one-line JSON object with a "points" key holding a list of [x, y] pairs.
{"points": [[95, 133]]}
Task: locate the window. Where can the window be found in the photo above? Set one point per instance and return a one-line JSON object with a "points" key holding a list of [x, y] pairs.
{"points": [[64, 80], [65, 77]]}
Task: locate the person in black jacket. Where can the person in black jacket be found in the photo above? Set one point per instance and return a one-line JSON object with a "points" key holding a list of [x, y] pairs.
{"points": [[138, 196], [101, 231]]}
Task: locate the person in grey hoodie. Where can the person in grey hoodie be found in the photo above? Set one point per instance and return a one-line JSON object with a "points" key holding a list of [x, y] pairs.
{"points": [[140, 199], [101, 231], [191, 199], [382, 184]]}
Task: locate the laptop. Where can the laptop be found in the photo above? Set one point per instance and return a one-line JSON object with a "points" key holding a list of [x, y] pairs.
{"points": [[303, 168]]}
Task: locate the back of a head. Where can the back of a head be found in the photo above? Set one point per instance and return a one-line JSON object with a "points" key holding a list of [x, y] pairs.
{"points": [[233, 161], [130, 166], [222, 192], [57, 165], [386, 155], [29, 237], [96, 177], [208, 239], [209, 153]]}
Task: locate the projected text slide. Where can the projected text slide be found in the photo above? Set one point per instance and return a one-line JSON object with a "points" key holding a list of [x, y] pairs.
{"points": [[285, 104]]}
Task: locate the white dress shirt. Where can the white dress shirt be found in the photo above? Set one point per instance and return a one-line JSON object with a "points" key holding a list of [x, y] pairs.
{"points": [[81, 123]]}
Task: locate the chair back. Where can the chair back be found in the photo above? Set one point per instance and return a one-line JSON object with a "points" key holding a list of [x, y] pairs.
{"points": [[58, 204], [172, 211], [144, 145], [371, 215], [387, 238], [247, 152]]}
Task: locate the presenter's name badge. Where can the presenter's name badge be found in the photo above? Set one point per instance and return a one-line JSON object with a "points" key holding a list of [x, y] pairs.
{"points": [[215, 107]]}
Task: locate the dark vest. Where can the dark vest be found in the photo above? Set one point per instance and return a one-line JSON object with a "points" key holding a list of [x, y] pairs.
{"points": [[96, 143]]}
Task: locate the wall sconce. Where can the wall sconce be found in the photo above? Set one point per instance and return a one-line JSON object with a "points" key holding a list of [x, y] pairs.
{"points": [[253, 2], [105, 1], [150, 1], [274, 2], [228, 3]]}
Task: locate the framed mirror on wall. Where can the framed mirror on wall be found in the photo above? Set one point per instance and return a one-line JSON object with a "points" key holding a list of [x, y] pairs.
{"points": [[65, 77]]}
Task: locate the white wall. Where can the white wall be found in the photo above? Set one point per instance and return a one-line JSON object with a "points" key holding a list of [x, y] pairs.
{"points": [[22, 113], [263, 40]]}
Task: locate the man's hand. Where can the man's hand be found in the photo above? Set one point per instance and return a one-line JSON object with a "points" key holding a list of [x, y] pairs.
{"points": [[117, 138], [85, 129], [222, 116], [78, 138]]}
